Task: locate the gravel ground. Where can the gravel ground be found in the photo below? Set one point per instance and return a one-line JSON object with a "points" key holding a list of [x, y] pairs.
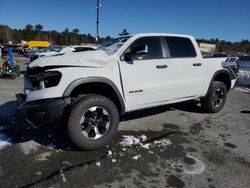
{"points": [[170, 146]]}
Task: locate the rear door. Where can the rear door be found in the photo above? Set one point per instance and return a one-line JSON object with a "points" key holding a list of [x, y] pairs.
{"points": [[186, 67]]}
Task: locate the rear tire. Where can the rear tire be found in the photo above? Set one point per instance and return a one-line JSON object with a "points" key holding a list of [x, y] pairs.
{"points": [[93, 122], [215, 100]]}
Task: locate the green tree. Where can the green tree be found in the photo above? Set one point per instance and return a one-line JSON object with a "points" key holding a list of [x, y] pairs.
{"points": [[5, 34], [76, 31], [124, 33], [39, 27], [29, 28]]}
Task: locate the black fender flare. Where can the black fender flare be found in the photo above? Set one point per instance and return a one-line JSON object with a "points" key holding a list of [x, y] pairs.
{"points": [[222, 71], [81, 81]]}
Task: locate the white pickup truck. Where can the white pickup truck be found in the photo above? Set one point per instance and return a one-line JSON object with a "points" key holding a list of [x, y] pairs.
{"points": [[93, 89]]}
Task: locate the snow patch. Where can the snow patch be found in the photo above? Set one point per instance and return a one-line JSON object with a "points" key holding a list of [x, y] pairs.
{"points": [[43, 156], [63, 176], [144, 138], [129, 141], [109, 153], [243, 89], [4, 141], [39, 173], [146, 146], [243, 81], [28, 147], [136, 157], [98, 164], [163, 142], [196, 168]]}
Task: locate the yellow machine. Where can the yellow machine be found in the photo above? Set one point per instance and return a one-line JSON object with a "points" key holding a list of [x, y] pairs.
{"points": [[34, 43]]}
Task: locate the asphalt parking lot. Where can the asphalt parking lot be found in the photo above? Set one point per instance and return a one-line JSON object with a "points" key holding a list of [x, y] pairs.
{"points": [[170, 146]]}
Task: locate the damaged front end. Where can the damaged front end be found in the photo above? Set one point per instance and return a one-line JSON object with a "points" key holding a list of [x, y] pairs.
{"points": [[43, 112]]}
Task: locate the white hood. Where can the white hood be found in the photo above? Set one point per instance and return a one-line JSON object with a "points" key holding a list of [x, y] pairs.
{"points": [[96, 58]]}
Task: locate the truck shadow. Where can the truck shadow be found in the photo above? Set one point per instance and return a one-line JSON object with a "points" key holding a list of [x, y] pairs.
{"points": [[192, 106], [14, 126], [7, 109]]}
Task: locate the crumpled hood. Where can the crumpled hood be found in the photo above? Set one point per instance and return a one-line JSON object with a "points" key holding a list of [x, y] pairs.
{"points": [[97, 58]]}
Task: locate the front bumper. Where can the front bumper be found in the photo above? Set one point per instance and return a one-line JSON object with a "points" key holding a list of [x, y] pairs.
{"points": [[42, 113]]}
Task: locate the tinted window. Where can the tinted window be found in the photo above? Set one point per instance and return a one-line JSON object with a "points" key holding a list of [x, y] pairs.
{"points": [[82, 49], [232, 59], [154, 47], [180, 47]]}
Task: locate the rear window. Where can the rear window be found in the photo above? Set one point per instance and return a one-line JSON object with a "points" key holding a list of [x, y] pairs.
{"points": [[180, 47]]}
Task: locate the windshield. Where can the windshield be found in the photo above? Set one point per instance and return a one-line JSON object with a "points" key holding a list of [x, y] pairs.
{"points": [[111, 46]]}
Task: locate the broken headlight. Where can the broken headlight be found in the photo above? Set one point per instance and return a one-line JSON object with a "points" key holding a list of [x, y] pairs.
{"points": [[45, 80]]}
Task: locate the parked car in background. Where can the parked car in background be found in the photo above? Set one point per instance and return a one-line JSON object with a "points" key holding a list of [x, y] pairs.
{"points": [[61, 51], [217, 54], [32, 51], [6, 48]]}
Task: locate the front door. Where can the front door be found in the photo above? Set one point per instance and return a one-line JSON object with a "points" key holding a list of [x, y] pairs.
{"points": [[145, 77]]}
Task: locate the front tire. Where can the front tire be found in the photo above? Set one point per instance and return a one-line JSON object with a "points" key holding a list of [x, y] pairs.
{"points": [[93, 122], [215, 100]]}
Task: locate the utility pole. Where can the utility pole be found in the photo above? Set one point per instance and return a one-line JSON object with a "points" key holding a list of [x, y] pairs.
{"points": [[98, 6]]}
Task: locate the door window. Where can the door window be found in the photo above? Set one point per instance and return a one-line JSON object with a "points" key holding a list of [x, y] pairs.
{"points": [[180, 47], [154, 48]]}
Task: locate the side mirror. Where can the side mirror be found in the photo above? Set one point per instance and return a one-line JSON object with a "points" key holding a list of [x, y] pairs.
{"points": [[136, 52]]}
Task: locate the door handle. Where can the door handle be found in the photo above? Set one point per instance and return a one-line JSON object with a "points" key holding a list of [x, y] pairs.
{"points": [[161, 66], [196, 64]]}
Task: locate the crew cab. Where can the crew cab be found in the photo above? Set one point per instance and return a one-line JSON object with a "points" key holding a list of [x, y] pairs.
{"points": [[93, 89]]}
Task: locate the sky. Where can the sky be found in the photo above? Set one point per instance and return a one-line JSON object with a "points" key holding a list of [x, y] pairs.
{"points": [[223, 19]]}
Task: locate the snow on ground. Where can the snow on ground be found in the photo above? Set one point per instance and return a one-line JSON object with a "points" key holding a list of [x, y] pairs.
{"points": [[143, 137], [146, 146], [163, 142], [136, 157], [109, 153], [243, 81], [44, 156], [63, 176], [39, 173], [129, 140], [28, 147], [4, 141], [98, 163], [242, 89]]}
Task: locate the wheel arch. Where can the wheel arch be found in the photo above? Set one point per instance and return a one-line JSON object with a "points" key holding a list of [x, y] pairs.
{"points": [[96, 85], [222, 76]]}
